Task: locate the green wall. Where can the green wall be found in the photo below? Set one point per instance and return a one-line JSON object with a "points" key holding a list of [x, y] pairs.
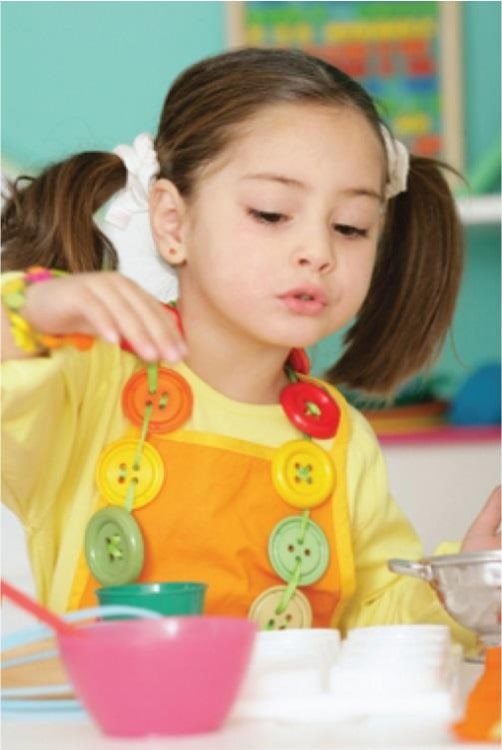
{"points": [[481, 71], [80, 75]]}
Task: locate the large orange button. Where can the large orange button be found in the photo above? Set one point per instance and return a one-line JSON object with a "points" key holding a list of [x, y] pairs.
{"points": [[303, 473], [171, 402], [264, 610], [118, 467]]}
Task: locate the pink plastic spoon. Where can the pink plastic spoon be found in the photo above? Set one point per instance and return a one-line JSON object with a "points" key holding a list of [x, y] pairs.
{"points": [[30, 605]]}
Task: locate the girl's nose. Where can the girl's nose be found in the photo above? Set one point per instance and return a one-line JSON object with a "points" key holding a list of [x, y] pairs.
{"points": [[317, 254]]}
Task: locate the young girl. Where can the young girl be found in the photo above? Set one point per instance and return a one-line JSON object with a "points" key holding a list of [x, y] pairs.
{"points": [[190, 444]]}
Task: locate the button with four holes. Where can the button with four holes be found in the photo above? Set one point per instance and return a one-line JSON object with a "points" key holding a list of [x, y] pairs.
{"points": [[171, 402], [311, 409], [297, 614], [114, 547], [298, 541], [303, 473], [117, 468]]}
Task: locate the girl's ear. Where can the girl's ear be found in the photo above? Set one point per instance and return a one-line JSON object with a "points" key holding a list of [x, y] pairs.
{"points": [[167, 211]]}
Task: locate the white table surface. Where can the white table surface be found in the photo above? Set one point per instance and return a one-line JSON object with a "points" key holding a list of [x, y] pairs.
{"points": [[31, 732], [239, 735]]}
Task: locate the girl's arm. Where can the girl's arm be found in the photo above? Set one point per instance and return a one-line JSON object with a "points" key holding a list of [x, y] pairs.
{"points": [[381, 532], [105, 305]]}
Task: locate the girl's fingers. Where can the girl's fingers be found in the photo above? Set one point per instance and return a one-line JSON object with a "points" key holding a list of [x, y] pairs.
{"points": [[110, 306], [484, 533], [158, 323], [488, 520], [95, 318], [148, 327], [65, 306]]}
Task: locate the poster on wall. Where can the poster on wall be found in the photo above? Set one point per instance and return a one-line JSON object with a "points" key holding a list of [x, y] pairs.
{"points": [[405, 54]]}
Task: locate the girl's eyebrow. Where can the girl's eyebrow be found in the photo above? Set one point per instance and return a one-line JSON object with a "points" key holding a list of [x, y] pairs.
{"points": [[365, 192], [292, 182]]}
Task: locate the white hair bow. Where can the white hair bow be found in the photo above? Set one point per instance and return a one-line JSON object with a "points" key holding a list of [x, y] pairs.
{"points": [[398, 159], [127, 222]]}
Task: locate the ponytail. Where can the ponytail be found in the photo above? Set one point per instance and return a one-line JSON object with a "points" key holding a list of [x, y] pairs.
{"points": [[50, 220], [404, 320]]}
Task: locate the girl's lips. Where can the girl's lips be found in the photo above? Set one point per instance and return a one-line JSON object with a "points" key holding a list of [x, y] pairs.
{"points": [[308, 301]]}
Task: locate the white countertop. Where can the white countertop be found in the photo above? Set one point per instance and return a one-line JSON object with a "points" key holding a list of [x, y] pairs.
{"points": [[30, 731], [80, 734], [57, 732]]}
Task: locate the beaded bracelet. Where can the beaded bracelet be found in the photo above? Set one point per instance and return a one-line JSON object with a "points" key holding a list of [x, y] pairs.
{"points": [[24, 335]]}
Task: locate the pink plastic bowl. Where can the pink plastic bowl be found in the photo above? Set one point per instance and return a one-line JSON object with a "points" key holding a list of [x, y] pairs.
{"points": [[175, 675]]}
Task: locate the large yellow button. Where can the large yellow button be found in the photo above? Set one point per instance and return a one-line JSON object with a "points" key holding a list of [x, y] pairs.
{"points": [[297, 614], [303, 473], [119, 465]]}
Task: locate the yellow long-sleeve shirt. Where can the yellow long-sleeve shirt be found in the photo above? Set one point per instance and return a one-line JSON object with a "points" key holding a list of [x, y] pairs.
{"points": [[60, 411]]}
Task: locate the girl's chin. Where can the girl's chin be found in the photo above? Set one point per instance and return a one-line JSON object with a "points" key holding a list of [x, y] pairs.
{"points": [[303, 339], [295, 342], [300, 336]]}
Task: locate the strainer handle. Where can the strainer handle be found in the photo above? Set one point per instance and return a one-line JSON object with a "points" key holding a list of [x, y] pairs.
{"points": [[411, 568]]}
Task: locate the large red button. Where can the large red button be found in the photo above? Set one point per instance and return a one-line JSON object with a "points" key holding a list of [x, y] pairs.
{"points": [[171, 402], [311, 409]]}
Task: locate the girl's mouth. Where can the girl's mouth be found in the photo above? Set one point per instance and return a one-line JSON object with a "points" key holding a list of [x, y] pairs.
{"points": [[309, 301]]}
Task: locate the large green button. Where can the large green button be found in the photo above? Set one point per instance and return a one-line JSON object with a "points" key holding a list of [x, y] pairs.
{"points": [[114, 546], [298, 542]]}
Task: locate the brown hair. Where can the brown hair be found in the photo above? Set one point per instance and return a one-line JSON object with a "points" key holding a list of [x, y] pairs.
{"points": [[49, 221], [409, 308]]}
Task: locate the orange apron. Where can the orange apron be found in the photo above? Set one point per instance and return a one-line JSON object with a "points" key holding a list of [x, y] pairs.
{"points": [[213, 517]]}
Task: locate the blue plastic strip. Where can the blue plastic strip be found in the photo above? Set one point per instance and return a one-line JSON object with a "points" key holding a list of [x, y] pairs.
{"points": [[33, 634], [57, 707], [43, 706], [33, 690], [39, 656]]}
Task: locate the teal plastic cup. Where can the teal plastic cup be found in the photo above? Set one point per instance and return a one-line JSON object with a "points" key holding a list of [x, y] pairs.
{"points": [[169, 598]]}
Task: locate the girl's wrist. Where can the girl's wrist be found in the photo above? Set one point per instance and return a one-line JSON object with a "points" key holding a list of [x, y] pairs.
{"points": [[25, 337]]}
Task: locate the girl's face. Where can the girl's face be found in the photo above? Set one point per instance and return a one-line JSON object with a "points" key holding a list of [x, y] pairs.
{"points": [[281, 235]]}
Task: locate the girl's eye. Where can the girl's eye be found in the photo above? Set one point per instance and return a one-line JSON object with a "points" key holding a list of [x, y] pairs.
{"points": [[349, 231], [267, 217]]}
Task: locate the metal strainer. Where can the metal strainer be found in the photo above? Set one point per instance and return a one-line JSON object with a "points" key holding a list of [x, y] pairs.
{"points": [[468, 585]]}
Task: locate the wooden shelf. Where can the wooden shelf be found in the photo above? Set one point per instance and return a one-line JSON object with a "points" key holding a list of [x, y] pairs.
{"points": [[480, 209], [446, 435]]}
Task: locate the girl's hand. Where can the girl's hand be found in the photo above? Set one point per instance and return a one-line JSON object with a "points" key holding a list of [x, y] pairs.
{"points": [[107, 305], [484, 534]]}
